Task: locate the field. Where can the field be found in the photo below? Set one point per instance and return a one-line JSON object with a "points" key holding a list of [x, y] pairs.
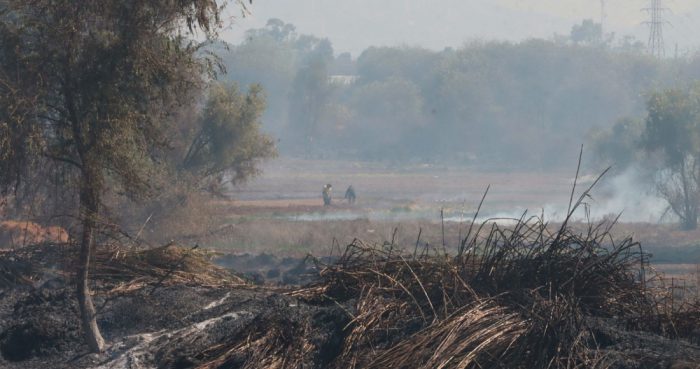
{"points": [[281, 212], [387, 284], [290, 179]]}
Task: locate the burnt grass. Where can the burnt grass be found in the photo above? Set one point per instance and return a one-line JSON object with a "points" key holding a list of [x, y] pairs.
{"points": [[522, 297]]}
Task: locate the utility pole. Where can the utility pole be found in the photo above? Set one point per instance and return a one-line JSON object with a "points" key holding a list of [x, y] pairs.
{"points": [[656, 24], [603, 16]]}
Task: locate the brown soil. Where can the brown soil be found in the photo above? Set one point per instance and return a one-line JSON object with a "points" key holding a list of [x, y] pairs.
{"points": [[19, 233]]}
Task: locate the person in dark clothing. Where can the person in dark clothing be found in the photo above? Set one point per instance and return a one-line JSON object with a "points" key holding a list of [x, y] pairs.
{"points": [[350, 195]]}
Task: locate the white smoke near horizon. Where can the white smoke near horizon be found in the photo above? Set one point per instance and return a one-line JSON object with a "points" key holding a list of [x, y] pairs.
{"points": [[629, 194]]}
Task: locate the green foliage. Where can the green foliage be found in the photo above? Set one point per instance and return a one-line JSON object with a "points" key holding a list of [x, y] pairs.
{"points": [[309, 98], [533, 100], [386, 112], [98, 80], [587, 33], [673, 131], [620, 145], [673, 124], [292, 68], [229, 140], [97, 85], [378, 63], [665, 144], [92, 84], [490, 101]]}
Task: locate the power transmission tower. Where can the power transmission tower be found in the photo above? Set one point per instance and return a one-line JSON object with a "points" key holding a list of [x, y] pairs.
{"points": [[656, 24]]}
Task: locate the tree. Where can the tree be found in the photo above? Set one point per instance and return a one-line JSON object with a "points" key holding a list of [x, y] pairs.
{"points": [[310, 90], [389, 119], [673, 131], [587, 33], [619, 145], [291, 67], [630, 44], [266, 57], [92, 84], [275, 28], [229, 141]]}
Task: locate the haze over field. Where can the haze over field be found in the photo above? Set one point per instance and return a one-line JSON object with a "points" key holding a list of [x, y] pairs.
{"points": [[355, 25], [336, 184], [490, 85]]}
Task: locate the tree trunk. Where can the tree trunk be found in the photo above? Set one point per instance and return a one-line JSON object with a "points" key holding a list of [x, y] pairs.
{"points": [[690, 208], [89, 204], [690, 223]]}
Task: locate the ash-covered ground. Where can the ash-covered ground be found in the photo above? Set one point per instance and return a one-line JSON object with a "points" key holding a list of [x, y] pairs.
{"points": [[171, 307]]}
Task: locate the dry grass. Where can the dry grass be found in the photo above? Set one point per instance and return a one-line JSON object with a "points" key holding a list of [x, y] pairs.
{"points": [[523, 296], [117, 268], [514, 298], [165, 265], [297, 238], [272, 341]]}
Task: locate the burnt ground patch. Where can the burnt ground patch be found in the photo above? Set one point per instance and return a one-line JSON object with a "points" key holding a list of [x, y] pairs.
{"points": [[272, 270], [44, 323], [563, 300]]}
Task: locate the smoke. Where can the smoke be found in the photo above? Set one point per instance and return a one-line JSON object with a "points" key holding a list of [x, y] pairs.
{"points": [[630, 194]]}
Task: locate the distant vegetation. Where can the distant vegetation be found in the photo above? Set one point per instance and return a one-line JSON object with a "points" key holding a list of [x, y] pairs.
{"points": [[483, 103]]}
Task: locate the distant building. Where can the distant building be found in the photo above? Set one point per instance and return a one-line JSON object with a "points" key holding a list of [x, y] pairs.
{"points": [[342, 79]]}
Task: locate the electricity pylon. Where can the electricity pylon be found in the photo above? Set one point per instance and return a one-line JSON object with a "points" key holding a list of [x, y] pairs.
{"points": [[656, 24]]}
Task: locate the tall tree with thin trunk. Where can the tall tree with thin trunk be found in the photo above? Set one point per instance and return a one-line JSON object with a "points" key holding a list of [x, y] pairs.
{"points": [[673, 131], [92, 84]]}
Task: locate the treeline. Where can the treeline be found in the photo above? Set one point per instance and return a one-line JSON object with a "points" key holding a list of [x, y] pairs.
{"points": [[527, 105]]}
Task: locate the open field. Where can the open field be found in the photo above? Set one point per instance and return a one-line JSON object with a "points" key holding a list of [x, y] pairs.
{"points": [[376, 184], [281, 212]]}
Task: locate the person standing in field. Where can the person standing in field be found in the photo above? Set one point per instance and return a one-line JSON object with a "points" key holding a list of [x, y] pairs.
{"points": [[350, 195], [327, 194]]}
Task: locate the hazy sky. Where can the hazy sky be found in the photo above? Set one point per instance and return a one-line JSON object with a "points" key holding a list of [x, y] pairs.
{"points": [[352, 25]]}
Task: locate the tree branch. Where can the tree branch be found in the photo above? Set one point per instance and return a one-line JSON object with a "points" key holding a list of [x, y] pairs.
{"points": [[64, 160]]}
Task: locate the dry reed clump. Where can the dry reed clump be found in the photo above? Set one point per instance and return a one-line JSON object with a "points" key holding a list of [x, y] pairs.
{"points": [[522, 296], [165, 265], [117, 268], [273, 340], [516, 297]]}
